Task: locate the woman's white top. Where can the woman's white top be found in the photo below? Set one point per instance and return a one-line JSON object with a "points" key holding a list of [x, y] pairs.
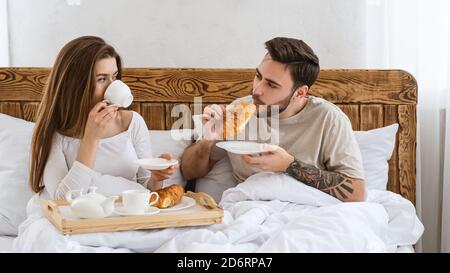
{"points": [[114, 170]]}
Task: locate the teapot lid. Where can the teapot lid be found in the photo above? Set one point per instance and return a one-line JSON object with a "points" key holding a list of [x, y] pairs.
{"points": [[93, 194], [92, 190]]}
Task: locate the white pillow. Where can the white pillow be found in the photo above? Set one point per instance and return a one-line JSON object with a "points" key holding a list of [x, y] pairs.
{"points": [[219, 179], [169, 141], [376, 149], [15, 143]]}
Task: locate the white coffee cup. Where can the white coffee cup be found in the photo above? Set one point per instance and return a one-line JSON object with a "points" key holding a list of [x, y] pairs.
{"points": [[118, 93], [137, 201]]}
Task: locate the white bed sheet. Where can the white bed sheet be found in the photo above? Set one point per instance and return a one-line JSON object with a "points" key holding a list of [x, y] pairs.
{"points": [[7, 241], [6, 244], [405, 249], [268, 213]]}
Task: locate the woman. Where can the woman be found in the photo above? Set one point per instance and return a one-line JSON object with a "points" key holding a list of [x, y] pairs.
{"points": [[79, 141]]}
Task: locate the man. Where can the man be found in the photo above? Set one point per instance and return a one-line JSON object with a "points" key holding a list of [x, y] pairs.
{"points": [[316, 142]]}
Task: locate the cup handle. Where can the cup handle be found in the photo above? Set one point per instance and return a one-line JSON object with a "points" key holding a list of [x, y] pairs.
{"points": [[156, 200]]}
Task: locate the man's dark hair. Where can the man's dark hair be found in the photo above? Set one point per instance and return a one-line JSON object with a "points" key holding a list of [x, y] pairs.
{"points": [[299, 58]]}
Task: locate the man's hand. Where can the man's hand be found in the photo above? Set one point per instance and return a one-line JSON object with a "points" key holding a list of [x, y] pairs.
{"points": [[276, 159], [212, 120]]}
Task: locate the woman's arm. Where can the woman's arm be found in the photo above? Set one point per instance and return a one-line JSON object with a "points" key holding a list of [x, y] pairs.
{"points": [[59, 179], [99, 117]]}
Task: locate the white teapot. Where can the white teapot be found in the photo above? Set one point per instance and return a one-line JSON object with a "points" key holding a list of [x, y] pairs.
{"points": [[91, 205]]}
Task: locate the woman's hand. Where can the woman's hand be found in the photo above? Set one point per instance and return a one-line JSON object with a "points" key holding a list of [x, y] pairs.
{"points": [[158, 176], [99, 117]]}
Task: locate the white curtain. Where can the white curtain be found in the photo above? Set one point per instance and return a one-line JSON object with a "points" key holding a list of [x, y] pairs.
{"points": [[4, 43], [414, 35], [445, 231]]}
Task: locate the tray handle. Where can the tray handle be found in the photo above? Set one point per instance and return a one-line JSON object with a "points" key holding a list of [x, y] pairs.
{"points": [[203, 199], [53, 210], [51, 207]]}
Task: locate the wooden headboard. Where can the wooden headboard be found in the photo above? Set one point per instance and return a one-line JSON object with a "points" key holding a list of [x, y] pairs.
{"points": [[371, 99]]}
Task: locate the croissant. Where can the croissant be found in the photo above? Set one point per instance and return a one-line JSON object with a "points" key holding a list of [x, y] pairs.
{"points": [[236, 119], [169, 196]]}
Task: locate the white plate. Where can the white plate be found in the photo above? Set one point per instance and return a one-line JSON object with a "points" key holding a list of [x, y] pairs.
{"points": [[155, 163], [186, 202], [242, 147], [120, 210]]}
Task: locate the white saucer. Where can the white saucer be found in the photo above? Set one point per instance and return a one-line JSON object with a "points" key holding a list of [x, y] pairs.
{"points": [[186, 202], [120, 210], [242, 147], [155, 163]]}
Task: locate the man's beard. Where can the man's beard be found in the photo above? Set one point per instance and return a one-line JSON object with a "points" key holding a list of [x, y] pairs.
{"points": [[269, 110]]}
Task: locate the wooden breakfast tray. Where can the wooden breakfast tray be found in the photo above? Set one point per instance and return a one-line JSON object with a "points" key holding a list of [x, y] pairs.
{"points": [[197, 215]]}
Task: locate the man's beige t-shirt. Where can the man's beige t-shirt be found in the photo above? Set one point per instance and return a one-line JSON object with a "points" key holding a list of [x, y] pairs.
{"points": [[320, 135]]}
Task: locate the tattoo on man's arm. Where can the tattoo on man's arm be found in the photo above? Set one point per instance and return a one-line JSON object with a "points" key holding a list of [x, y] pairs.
{"points": [[329, 182]]}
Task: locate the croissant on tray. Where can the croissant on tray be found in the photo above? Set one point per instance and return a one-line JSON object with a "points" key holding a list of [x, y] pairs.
{"points": [[169, 196]]}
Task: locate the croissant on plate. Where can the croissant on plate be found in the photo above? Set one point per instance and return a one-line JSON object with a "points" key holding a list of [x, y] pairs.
{"points": [[169, 196]]}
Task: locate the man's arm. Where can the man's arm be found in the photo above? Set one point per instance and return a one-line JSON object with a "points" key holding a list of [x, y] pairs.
{"points": [[196, 160], [335, 184]]}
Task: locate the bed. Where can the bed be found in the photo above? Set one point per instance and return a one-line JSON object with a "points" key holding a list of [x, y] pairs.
{"points": [[370, 98]]}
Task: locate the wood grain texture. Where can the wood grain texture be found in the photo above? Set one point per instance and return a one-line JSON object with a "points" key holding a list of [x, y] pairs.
{"points": [[180, 114], [11, 108], [30, 110], [135, 106], [224, 85], [352, 112], [371, 117], [199, 109], [22, 84], [391, 117], [182, 85], [407, 151], [370, 98], [154, 115], [366, 86]]}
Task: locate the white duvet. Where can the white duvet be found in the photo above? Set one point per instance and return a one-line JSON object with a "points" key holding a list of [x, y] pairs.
{"points": [[267, 213]]}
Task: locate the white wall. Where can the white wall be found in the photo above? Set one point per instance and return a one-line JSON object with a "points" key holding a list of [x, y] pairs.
{"points": [[194, 33], [4, 42]]}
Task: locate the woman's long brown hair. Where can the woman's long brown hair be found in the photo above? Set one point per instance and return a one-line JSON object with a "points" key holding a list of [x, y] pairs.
{"points": [[67, 98]]}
